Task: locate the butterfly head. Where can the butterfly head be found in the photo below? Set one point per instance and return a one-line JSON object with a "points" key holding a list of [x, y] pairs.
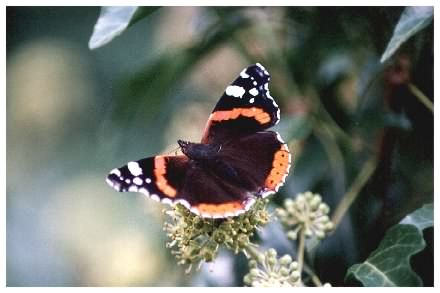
{"points": [[198, 151]]}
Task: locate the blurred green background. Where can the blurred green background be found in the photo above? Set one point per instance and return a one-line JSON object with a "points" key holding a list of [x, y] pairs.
{"points": [[74, 114]]}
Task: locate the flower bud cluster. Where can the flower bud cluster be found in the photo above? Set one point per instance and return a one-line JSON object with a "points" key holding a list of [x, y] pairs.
{"points": [[194, 240], [306, 213], [266, 270]]}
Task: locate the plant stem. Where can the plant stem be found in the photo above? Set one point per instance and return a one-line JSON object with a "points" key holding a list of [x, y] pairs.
{"points": [[349, 197], [313, 276], [300, 255], [421, 96], [252, 251]]}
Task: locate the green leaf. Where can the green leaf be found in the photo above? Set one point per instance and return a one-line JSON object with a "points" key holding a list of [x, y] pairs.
{"points": [[421, 218], [412, 20], [389, 264], [113, 20]]}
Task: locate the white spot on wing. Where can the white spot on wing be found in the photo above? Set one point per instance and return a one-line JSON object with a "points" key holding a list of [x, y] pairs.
{"points": [[109, 182], [235, 91], [253, 92], [249, 203], [205, 215], [116, 172], [270, 97], [243, 74], [144, 191], [195, 211], [132, 188], [184, 203], [251, 100], [148, 180], [279, 138], [262, 68], [267, 193], [155, 197], [134, 168], [137, 181], [167, 201], [128, 181]]}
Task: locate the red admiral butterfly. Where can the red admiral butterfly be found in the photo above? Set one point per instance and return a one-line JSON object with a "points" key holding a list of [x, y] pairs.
{"points": [[236, 161]]}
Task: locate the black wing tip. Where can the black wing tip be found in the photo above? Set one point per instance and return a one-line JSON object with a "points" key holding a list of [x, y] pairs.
{"points": [[114, 182], [259, 72]]}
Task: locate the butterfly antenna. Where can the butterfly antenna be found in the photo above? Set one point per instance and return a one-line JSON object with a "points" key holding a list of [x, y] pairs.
{"points": [[175, 151]]}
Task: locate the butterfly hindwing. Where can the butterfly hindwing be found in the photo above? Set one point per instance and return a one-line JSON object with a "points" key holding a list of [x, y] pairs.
{"points": [[245, 107], [262, 160]]}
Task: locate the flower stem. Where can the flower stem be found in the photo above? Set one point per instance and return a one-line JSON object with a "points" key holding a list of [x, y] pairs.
{"points": [[353, 192], [421, 96], [313, 276], [300, 255], [252, 252]]}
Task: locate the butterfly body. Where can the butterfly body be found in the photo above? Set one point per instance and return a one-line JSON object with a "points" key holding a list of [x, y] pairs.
{"points": [[237, 160], [199, 151]]}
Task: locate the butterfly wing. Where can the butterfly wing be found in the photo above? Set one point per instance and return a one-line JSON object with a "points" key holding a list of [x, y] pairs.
{"points": [[159, 177], [246, 107], [176, 179], [262, 161]]}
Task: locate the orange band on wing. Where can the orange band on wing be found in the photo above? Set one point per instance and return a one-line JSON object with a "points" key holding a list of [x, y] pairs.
{"points": [[254, 112], [160, 169], [219, 209], [280, 167]]}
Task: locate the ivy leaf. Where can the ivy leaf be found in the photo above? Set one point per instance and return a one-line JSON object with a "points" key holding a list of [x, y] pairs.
{"points": [[412, 20], [389, 264], [113, 20], [421, 218]]}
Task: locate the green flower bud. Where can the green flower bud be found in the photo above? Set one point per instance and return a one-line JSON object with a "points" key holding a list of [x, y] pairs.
{"points": [[295, 275], [323, 208], [253, 263], [208, 253], [315, 201], [271, 260], [293, 266], [320, 234], [292, 235], [284, 271], [329, 226], [308, 232], [254, 272], [247, 279], [272, 253], [285, 260]]}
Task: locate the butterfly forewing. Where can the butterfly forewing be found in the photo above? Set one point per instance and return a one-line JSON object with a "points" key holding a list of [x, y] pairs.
{"points": [[245, 107]]}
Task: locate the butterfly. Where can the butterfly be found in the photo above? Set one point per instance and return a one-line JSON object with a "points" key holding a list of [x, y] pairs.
{"points": [[237, 161]]}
